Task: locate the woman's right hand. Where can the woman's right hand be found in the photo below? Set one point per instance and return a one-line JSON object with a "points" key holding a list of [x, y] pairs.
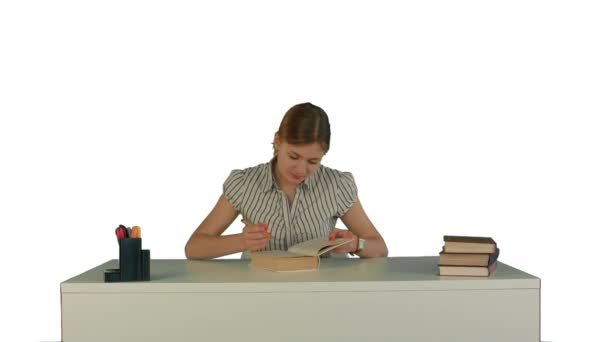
{"points": [[256, 236]]}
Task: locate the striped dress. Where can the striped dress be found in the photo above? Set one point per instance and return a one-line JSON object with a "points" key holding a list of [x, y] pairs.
{"points": [[319, 201]]}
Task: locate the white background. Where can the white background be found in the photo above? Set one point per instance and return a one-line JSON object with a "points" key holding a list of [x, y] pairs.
{"points": [[455, 117]]}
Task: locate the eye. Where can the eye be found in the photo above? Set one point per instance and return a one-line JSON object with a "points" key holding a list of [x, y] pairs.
{"points": [[293, 157], [313, 162]]}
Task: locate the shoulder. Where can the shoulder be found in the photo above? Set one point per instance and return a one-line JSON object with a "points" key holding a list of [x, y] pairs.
{"points": [[341, 187], [328, 173], [247, 174], [241, 182]]}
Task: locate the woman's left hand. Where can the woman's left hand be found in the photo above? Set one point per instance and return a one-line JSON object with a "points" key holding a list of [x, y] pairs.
{"points": [[338, 233]]}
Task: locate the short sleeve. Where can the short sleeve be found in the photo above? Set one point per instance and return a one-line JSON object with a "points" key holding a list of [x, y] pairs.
{"points": [[346, 195], [233, 188]]}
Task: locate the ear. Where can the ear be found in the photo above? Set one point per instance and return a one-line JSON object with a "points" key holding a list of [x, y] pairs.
{"points": [[276, 140]]}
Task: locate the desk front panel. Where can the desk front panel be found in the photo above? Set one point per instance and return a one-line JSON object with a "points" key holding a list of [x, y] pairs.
{"points": [[455, 315]]}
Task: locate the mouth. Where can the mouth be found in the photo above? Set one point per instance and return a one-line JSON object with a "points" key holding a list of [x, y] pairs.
{"points": [[298, 178]]}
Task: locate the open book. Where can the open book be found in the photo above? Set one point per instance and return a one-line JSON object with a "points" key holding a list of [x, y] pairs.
{"points": [[304, 256]]}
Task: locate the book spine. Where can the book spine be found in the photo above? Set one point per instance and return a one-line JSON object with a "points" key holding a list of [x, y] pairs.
{"points": [[493, 257]]}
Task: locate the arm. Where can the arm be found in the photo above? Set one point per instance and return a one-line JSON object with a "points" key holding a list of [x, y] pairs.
{"points": [[206, 242], [360, 225]]}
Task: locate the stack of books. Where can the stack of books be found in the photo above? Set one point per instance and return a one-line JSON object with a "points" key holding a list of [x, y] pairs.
{"points": [[468, 256]]}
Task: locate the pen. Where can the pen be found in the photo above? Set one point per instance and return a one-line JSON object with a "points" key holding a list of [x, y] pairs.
{"points": [[121, 233]]}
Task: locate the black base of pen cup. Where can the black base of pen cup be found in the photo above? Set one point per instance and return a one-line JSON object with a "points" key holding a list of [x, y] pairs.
{"points": [[134, 262], [111, 275], [145, 264]]}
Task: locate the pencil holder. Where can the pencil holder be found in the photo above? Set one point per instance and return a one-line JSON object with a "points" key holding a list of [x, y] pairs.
{"points": [[130, 259], [133, 262]]}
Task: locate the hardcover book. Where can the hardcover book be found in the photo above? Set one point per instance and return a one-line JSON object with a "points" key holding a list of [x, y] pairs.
{"points": [[476, 271], [467, 259], [304, 256], [468, 244]]}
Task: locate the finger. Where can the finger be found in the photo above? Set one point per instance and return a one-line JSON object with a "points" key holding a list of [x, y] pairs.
{"points": [[257, 245], [344, 234], [333, 234], [254, 229], [257, 231], [340, 250], [349, 247], [261, 244], [260, 226], [263, 227], [257, 236], [262, 236]]}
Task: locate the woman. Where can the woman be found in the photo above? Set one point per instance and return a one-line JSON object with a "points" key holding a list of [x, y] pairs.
{"points": [[291, 199]]}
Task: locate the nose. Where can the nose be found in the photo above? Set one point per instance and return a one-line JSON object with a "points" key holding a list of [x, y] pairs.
{"points": [[301, 168]]}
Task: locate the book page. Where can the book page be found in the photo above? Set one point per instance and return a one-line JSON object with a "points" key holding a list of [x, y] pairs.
{"points": [[279, 254], [317, 247]]}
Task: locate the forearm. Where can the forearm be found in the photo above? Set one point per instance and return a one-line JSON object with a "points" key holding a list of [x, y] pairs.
{"points": [[203, 246], [374, 248]]}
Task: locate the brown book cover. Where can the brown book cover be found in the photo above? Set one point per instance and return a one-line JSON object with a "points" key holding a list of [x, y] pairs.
{"points": [[468, 244], [475, 271], [467, 259], [304, 256]]}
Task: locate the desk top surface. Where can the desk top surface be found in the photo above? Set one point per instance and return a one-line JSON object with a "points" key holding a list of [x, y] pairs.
{"points": [[232, 275]]}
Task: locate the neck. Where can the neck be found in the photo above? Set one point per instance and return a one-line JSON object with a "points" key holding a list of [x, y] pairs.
{"points": [[283, 183]]}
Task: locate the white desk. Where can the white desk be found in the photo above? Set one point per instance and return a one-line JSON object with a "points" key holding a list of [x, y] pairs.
{"points": [[386, 299]]}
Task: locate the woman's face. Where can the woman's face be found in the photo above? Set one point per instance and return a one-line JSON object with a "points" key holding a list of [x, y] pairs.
{"points": [[296, 162]]}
